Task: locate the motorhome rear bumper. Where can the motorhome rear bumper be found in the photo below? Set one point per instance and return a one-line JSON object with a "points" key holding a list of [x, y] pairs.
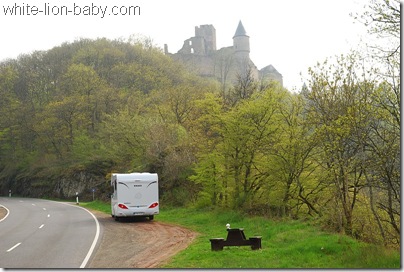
{"points": [[135, 212]]}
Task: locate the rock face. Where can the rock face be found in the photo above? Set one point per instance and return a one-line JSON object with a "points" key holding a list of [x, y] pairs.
{"points": [[62, 187], [199, 54], [80, 182]]}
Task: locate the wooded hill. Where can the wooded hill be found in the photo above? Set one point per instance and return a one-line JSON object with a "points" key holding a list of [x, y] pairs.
{"points": [[72, 115]]}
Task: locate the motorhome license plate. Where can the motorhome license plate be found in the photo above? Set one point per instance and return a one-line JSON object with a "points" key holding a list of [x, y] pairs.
{"points": [[138, 213]]}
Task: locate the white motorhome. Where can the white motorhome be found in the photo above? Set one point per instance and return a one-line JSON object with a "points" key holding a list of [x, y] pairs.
{"points": [[135, 194]]}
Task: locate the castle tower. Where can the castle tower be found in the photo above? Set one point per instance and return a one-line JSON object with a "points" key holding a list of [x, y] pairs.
{"points": [[241, 43], [208, 34]]}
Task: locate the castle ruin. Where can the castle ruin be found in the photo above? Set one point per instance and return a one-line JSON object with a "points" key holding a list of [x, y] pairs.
{"points": [[200, 55]]}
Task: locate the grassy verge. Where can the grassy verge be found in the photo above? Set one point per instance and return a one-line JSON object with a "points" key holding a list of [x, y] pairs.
{"points": [[285, 244], [98, 205]]}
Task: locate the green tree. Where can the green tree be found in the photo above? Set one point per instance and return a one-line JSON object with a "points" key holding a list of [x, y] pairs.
{"points": [[294, 160], [244, 135], [205, 130], [10, 106], [83, 84], [334, 100], [383, 20]]}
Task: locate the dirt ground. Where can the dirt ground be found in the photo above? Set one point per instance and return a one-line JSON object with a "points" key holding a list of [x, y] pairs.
{"points": [[137, 243], [3, 212]]}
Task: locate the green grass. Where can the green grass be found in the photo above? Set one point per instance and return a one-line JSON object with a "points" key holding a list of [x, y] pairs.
{"points": [[285, 244], [98, 205]]}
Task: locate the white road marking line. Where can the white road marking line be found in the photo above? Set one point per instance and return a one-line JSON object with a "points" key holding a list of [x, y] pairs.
{"points": [[14, 247], [97, 234], [33, 204], [41, 226], [44, 209], [48, 215]]}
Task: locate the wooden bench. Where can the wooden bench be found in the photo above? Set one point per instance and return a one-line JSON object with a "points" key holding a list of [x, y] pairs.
{"points": [[235, 237]]}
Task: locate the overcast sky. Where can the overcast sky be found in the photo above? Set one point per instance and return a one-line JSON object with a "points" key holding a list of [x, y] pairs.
{"points": [[291, 35]]}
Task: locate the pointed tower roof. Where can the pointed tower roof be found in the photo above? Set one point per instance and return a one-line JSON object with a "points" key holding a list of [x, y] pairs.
{"points": [[240, 30]]}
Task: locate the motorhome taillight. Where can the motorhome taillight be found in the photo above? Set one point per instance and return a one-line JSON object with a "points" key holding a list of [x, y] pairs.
{"points": [[154, 205], [122, 206]]}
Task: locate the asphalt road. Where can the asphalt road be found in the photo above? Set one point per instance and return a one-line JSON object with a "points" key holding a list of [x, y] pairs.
{"points": [[46, 234]]}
